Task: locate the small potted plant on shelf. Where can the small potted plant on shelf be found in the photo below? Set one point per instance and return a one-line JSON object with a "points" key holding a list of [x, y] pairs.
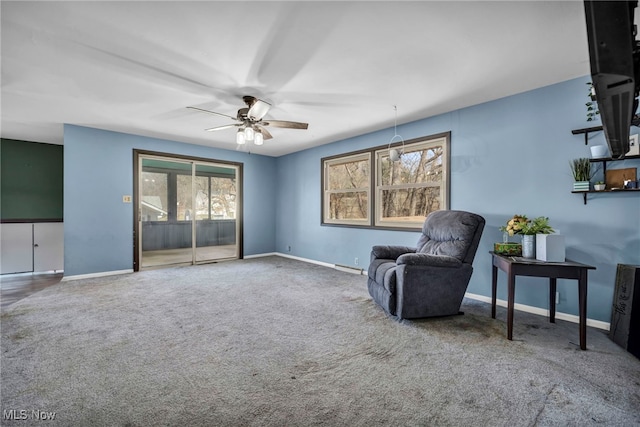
{"points": [[581, 171], [599, 186]]}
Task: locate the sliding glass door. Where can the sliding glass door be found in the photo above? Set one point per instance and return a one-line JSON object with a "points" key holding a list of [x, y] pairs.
{"points": [[187, 211], [215, 212]]}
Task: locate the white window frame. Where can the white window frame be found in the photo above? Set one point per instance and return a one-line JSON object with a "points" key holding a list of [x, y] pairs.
{"points": [[327, 164]]}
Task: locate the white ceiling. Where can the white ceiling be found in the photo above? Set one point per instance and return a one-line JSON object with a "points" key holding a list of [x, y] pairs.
{"points": [[340, 66]]}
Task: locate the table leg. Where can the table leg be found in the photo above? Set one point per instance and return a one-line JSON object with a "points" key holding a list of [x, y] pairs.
{"points": [[510, 302], [582, 303], [494, 288], [552, 299]]}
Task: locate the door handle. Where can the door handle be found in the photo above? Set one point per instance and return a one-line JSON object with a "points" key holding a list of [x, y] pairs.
{"points": [[35, 245]]}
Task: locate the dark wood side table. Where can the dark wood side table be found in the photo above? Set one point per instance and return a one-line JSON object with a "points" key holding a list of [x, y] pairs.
{"points": [[518, 266]]}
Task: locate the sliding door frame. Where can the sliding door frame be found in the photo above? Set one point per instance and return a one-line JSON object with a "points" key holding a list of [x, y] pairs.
{"points": [[168, 156]]}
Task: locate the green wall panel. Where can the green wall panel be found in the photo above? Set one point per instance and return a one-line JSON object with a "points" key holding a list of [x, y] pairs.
{"points": [[31, 181]]}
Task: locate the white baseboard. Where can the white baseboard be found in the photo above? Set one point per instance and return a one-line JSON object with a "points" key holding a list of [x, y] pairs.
{"points": [[349, 269], [344, 268], [31, 273], [94, 275], [311, 261], [116, 272], [541, 311], [260, 255], [520, 307]]}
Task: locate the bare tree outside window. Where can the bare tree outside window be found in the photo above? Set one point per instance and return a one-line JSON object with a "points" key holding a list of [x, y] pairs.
{"points": [[184, 206], [347, 189], [405, 190], [412, 187], [223, 198], [219, 204]]}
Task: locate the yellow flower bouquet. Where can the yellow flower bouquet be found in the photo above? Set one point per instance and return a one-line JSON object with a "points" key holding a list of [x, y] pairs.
{"points": [[515, 225]]}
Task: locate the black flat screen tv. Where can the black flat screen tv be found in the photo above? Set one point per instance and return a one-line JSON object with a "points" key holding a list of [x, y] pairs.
{"points": [[613, 54]]}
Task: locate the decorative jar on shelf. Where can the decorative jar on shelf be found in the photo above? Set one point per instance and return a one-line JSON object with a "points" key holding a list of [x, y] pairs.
{"points": [[581, 186]]}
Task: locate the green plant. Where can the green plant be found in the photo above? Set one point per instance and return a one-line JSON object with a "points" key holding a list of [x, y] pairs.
{"points": [[599, 182], [539, 225], [592, 110], [520, 224], [581, 169]]}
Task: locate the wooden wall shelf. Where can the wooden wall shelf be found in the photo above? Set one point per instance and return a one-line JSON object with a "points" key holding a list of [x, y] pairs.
{"points": [[616, 190]]}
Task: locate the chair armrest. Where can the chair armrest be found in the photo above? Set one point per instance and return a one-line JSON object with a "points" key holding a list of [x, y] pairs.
{"points": [[428, 260], [390, 252]]}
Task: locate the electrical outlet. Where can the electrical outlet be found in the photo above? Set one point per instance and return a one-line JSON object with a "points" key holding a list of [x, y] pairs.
{"points": [[356, 261], [126, 199]]}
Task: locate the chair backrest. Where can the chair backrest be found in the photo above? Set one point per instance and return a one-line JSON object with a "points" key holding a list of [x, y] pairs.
{"points": [[452, 233]]}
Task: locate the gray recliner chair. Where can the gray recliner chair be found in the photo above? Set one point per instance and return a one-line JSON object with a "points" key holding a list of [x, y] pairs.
{"points": [[432, 278]]}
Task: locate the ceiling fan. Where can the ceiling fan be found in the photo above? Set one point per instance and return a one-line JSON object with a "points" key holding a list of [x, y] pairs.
{"points": [[250, 121]]}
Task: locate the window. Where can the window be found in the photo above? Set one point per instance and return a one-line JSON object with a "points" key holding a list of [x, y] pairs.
{"points": [[201, 206], [401, 194], [184, 200], [168, 190], [407, 190], [223, 198], [154, 203], [347, 190]]}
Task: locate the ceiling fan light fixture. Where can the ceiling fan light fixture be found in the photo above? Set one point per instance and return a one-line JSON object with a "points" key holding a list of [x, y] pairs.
{"points": [[240, 138], [258, 109], [249, 122], [258, 139], [249, 133]]}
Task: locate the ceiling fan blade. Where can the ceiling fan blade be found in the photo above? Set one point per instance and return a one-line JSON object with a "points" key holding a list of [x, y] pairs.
{"points": [[265, 133], [258, 109], [285, 124], [213, 112], [223, 127]]}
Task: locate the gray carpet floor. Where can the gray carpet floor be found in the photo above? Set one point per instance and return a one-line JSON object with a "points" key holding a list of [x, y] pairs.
{"points": [[278, 342]]}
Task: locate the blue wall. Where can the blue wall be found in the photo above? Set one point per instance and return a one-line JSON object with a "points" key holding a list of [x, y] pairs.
{"points": [[507, 156], [98, 171]]}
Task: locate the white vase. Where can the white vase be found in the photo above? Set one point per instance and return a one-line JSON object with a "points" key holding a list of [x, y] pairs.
{"points": [[599, 151], [529, 246]]}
